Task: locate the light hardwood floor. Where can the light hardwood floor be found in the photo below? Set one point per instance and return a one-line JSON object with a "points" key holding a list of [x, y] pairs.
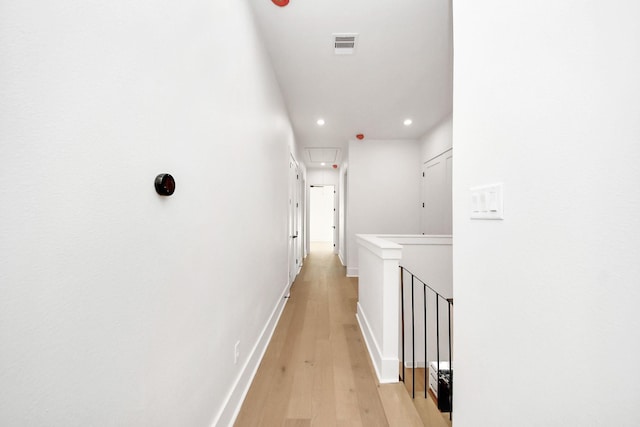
{"points": [[427, 407], [316, 370]]}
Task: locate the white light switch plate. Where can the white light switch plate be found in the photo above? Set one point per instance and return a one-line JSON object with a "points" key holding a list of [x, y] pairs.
{"points": [[487, 202]]}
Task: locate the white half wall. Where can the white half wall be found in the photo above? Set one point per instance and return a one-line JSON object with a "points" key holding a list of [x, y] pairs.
{"points": [[383, 191], [119, 306], [379, 303], [429, 258], [547, 102]]}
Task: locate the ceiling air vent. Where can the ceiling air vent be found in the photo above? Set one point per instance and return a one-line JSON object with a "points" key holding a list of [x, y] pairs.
{"points": [[344, 44]]}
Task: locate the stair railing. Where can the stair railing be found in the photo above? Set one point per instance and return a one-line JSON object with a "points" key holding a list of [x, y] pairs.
{"points": [[444, 376]]}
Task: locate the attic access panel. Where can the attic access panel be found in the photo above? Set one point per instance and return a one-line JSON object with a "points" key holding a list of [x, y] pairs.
{"points": [[320, 155]]}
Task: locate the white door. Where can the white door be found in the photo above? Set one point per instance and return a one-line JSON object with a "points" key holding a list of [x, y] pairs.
{"points": [[302, 220], [294, 234], [436, 195], [322, 214], [334, 219], [343, 219], [300, 228]]}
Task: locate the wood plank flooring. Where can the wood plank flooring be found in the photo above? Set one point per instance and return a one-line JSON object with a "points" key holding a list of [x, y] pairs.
{"points": [[427, 407], [316, 370]]}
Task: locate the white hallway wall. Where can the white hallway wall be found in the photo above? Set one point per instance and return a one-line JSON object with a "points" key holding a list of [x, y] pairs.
{"points": [[383, 191], [118, 306], [547, 101], [322, 177]]}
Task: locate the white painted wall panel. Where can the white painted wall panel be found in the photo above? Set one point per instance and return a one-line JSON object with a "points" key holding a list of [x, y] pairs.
{"points": [[546, 101], [383, 191], [327, 176], [118, 306]]}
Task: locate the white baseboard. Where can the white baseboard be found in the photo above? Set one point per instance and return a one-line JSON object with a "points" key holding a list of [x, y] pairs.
{"points": [[386, 368], [352, 272], [235, 398], [341, 258]]}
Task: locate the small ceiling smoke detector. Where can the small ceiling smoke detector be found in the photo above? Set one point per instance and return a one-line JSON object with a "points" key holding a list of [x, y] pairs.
{"points": [[344, 43], [320, 122], [407, 122]]}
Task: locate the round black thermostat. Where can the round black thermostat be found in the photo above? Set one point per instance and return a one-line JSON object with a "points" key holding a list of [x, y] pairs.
{"points": [[165, 184]]}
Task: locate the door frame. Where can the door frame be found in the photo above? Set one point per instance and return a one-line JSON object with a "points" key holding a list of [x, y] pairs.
{"points": [[334, 217], [294, 209]]}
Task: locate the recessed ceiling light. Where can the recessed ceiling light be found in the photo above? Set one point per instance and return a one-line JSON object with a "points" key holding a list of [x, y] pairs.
{"points": [[407, 122], [322, 164], [320, 122]]}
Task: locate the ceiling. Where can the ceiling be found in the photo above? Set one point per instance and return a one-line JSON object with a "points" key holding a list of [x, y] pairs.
{"points": [[401, 68]]}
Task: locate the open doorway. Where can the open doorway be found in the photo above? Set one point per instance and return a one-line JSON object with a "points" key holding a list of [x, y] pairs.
{"points": [[322, 228]]}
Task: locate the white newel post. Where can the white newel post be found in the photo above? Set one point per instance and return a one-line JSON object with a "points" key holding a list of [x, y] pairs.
{"points": [[379, 303]]}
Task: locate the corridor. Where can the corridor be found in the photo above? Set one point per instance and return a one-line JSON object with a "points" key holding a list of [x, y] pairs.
{"points": [[316, 370]]}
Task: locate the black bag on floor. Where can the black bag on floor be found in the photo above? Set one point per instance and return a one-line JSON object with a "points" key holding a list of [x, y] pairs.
{"points": [[444, 392]]}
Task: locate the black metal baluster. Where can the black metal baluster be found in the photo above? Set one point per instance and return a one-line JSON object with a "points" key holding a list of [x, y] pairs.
{"points": [[402, 311], [438, 345], [426, 364], [413, 340], [450, 301], [447, 377]]}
